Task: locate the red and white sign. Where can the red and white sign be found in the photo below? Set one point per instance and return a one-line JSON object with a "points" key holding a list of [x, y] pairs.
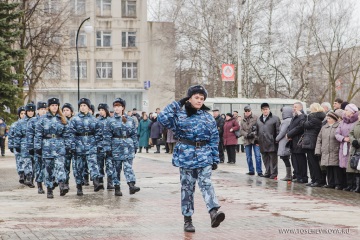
{"points": [[228, 73]]}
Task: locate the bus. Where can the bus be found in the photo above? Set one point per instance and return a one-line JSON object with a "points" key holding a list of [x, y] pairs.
{"points": [[228, 105]]}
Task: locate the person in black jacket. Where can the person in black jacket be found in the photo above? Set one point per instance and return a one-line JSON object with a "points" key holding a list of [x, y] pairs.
{"points": [[312, 126], [294, 134], [220, 125]]}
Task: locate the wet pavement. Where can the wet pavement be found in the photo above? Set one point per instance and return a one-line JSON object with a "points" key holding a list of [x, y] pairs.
{"points": [[255, 207]]}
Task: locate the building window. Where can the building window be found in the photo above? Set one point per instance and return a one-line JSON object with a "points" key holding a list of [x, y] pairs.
{"points": [[79, 7], [103, 7], [81, 40], [128, 8], [104, 70], [51, 6], [103, 39], [52, 71], [129, 70], [128, 39], [83, 70]]}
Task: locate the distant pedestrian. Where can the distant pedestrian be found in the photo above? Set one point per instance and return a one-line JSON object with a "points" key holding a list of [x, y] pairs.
{"points": [[170, 140], [3, 135], [155, 132], [230, 141], [220, 125], [144, 133]]}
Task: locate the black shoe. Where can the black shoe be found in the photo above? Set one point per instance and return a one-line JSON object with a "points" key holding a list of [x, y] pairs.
{"points": [[250, 173], [50, 193], [55, 184], [260, 175], [28, 181], [302, 181], [97, 185], [132, 188], [117, 190], [156, 152], [62, 189], [110, 186], [79, 190], [22, 178], [86, 180], [316, 184], [348, 188], [216, 217], [40, 188], [309, 184], [222, 161], [339, 188], [188, 226], [266, 176], [328, 186]]}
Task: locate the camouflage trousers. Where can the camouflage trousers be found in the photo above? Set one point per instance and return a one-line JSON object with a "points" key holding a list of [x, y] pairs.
{"points": [[79, 164], [68, 158], [39, 169], [128, 171], [28, 165], [54, 170], [188, 179], [19, 163], [104, 161]]}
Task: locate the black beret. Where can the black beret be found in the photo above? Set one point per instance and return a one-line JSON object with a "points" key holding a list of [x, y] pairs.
{"points": [[121, 101], [197, 89], [84, 101], [53, 101], [41, 105]]}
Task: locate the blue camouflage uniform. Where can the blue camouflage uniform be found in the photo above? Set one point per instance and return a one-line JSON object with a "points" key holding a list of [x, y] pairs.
{"points": [[11, 138], [195, 163], [30, 135], [102, 159], [20, 143], [52, 140], [121, 140], [69, 156], [86, 141]]}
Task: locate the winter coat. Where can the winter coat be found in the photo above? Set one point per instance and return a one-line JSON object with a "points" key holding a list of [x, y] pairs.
{"points": [[220, 125], [312, 127], [283, 148], [156, 129], [50, 124], [20, 140], [295, 131], [266, 133], [229, 138], [30, 132], [121, 148], [246, 126], [170, 137], [354, 135], [345, 126], [89, 125], [103, 121], [11, 136], [200, 126], [144, 132], [327, 146]]}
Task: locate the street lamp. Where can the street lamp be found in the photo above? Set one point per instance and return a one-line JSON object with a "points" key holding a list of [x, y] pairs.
{"points": [[88, 29]]}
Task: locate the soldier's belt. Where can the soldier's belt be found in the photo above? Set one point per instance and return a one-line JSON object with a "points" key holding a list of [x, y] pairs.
{"points": [[48, 136], [84, 134], [122, 137], [195, 144]]}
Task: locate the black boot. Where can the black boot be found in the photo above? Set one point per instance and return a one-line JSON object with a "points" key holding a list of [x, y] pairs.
{"points": [[66, 186], [110, 186], [79, 190], [101, 181], [62, 189], [28, 181], [188, 226], [357, 181], [133, 189], [157, 149], [117, 190], [55, 184], [140, 149], [216, 217], [40, 188], [147, 150], [97, 185], [86, 180], [22, 178], [50, 193]]}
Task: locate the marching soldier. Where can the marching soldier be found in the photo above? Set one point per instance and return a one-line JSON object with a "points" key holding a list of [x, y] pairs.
{"points": [[68, 112], [86, 139], [18, 159], [196, 153], [20, 144], [30, 134], [102, 159], [50, 142], [121, 144]]}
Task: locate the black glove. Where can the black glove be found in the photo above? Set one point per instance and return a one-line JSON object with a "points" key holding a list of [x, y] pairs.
{"points": [[18, 149], [99, 149], [355, 144], [31, 152], [108, 154], [12, 150], [214, 166], [136, 150], [183, 101], [250, 135], [38, 151]]}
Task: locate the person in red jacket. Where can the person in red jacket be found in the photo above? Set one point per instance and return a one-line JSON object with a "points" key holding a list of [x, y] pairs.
{"points": [[230, 140]]}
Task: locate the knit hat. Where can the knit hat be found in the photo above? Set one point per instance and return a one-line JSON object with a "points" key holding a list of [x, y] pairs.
{"points": [[351, 108], [343, 105], [333, 116], [264, 105], [197, 89], [69, 106], [105, 107], [84, 101], [229, 114], [20, 109], [53, 101], [121, 101], [30, 107], [41, 105]]}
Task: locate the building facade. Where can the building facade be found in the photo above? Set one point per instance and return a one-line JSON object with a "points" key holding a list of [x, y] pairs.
{"points": [[122, 52]]}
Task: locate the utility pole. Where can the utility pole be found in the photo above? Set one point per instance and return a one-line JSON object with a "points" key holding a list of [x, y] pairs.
{"points": [[239, 28]]}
